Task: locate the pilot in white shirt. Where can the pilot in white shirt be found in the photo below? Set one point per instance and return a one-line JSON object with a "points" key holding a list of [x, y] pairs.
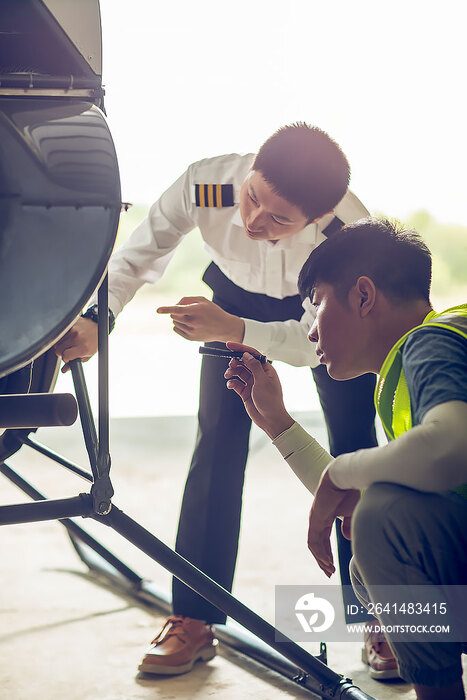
{"points": [[259, 266], [260, 216]]}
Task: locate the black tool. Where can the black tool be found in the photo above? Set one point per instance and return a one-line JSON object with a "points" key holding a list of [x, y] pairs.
{"points": [[237, 354]]}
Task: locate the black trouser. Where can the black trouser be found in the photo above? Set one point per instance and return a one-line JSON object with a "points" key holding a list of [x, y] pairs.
{"points": [[209, 522]]}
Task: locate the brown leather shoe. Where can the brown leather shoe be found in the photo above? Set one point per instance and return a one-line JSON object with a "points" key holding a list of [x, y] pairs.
{"points": [[181, 642], [378, 655]]}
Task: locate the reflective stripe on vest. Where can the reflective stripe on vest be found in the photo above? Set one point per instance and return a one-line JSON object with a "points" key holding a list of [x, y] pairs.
{"points": [[392, 399]]}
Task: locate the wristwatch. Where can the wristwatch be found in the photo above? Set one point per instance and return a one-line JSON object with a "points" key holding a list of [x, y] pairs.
{"points": [[93, 315]]}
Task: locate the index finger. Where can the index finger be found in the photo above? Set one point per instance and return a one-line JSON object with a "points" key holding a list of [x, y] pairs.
{"points": [[177, 309]]}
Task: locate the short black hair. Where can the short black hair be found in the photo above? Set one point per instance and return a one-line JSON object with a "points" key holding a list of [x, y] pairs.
{"points": [[306, 167], [396, 259]]}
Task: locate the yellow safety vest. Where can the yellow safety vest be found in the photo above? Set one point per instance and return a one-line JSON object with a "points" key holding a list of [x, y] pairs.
{"points": [[392, 399]]}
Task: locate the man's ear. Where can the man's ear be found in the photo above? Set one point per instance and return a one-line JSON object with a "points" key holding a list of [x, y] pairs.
{"points": [[318, 218], [364, 295]]}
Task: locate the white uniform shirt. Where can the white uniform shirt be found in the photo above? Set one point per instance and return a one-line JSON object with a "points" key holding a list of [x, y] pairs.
{"points": [[257, 266]]}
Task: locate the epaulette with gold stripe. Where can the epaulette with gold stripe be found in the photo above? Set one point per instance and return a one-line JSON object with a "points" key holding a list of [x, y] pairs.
{"points": [[214, 195]]}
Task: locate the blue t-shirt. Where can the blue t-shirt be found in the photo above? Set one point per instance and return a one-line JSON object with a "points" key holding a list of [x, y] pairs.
{"points": [[435, 368]]}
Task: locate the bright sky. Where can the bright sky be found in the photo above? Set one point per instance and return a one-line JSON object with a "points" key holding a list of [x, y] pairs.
{"points": [[185, 80]]}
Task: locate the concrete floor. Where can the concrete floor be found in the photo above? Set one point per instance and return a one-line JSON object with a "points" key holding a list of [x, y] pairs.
{"points": [[66, 634]]}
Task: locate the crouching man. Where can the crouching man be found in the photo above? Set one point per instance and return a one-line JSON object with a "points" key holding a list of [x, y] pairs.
{"points": [[370, 286]]}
